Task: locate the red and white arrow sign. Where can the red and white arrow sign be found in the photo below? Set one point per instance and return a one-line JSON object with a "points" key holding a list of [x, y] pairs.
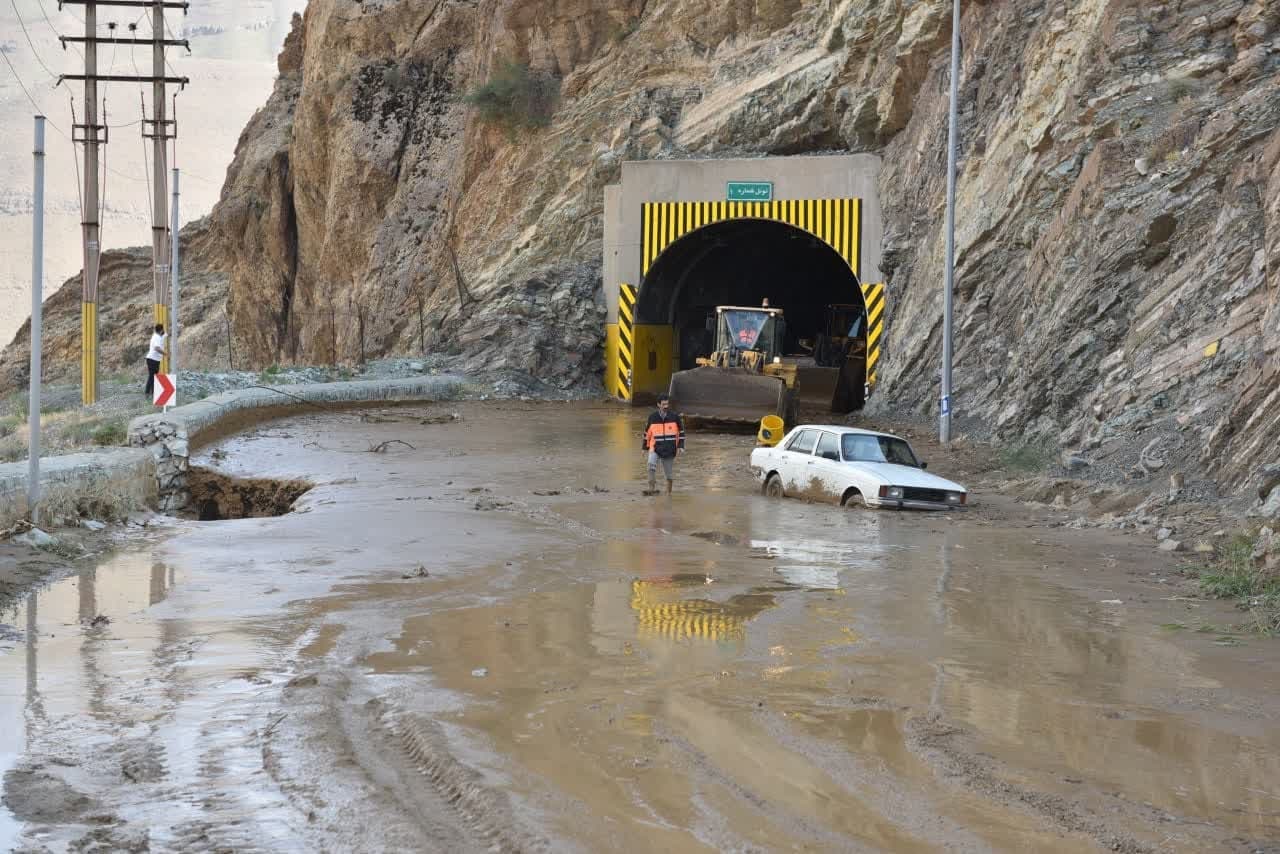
{"points": [[162, 393]]}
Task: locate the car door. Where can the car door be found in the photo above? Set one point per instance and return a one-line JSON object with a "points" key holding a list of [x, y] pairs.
{"points": [[827, 467], [796, 459]]}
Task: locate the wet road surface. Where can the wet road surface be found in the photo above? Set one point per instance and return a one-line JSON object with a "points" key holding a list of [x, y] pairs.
{"points": [[586, 669]]}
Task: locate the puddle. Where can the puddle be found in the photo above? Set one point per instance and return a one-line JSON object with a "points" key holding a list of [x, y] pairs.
{"points": [[61, 644], [216, 496]]}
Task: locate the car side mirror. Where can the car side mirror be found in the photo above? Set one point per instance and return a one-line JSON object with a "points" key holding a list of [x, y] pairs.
{"points": [[924, 465]]}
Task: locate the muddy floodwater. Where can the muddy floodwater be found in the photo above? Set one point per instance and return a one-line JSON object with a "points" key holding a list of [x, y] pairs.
{"points": [[475, 634]]}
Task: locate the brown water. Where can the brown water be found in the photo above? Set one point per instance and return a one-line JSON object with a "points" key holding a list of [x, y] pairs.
{"points": [[597, 671]]}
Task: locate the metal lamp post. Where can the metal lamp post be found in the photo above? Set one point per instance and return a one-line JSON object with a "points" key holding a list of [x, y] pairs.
{"points": [[944, 427]]}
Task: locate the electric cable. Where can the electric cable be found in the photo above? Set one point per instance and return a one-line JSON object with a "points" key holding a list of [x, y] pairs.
{"points": [[45, 15], [26, 92], [75, 158], [30, 43]]}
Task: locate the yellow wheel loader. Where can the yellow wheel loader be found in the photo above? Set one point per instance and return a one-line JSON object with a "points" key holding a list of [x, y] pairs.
{"points": [[744, 379], [834, 376]]}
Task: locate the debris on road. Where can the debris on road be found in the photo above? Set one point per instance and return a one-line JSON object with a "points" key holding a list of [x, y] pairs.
{"points": [[440, 419], [381, 447], [36, 539]]}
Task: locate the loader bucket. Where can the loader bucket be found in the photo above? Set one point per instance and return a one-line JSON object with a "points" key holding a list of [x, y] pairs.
{"points": [[832, 389], [817, 386], [728, 395], [850, 387]]}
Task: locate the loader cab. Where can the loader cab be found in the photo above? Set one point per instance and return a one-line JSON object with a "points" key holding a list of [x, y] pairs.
{"points": [[739, 329], [844, 335]]}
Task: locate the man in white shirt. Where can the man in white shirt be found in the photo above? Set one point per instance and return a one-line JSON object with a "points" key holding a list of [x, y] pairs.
{"points": [[154, 355]]}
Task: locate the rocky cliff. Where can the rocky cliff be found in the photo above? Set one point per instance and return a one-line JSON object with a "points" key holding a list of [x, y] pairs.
{"points": [[1119, 192]]}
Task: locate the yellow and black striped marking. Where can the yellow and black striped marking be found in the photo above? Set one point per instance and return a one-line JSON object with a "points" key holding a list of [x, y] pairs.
{"points": [[88, 353], [837, 222], [626, 338], [873, 298]]}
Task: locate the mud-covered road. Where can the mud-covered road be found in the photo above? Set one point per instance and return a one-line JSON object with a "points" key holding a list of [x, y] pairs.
{"points": [[481, 636]]}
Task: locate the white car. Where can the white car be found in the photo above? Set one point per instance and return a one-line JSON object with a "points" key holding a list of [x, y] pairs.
{"points": [[848, 465]]}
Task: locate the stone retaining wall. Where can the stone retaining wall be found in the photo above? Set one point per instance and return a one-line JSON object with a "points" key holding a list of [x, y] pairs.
{"points": [[171, 437], [153, 472], [102, 484]]}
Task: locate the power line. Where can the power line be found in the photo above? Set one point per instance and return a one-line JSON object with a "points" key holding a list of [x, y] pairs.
{"points": [[173, 70], [23, 87], [30, 43], [102, 179], [45, 15], [75, 158]]}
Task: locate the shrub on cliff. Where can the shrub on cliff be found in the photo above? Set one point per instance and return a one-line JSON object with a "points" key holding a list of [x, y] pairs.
{"points": [[516, 98]]}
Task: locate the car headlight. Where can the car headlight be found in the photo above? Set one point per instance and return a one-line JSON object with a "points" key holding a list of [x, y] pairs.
{"points": [[894, 492], [955, 497]]}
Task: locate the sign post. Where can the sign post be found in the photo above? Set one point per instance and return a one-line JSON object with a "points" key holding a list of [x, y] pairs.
{"points": [[749, 191], [163, 391]]}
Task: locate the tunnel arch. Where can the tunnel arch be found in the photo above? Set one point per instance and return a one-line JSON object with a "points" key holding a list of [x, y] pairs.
{"points": [[742, 262]]}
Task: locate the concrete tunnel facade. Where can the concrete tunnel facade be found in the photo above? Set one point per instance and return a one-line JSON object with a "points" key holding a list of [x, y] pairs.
{"points": [[682, 236]]}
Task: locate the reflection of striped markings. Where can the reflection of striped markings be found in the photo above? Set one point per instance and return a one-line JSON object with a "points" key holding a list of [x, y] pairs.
{"points": [[626, 338], [837, 222], [688, 619], [873, 296]]}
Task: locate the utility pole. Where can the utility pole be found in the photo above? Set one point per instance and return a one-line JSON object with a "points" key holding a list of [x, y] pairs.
{"points": [[89, 279], [944, 427], [92, 136], [160, 134], [173, 290], [37, 305]]}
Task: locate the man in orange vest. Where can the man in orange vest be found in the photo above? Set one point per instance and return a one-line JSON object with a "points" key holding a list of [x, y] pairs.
{"points": [[663, 439]]}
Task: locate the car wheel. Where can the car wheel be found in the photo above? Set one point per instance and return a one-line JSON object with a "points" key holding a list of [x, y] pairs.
{"points": [[773, 486], [853, 500]]}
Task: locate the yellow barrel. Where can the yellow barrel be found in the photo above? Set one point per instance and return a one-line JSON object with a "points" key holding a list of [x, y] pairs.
{"points": [[771, 431]]}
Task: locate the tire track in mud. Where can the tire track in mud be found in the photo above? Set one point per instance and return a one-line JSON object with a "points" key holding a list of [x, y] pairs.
{"points": [[484, 811], [390, 753], [937, 744], [542, 514], [700, 766]]}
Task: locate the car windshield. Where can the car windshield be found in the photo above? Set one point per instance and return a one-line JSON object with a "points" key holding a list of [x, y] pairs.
{"points": [[862, 448]]}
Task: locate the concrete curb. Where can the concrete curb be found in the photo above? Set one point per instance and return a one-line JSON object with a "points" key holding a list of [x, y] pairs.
{"points": [[97, 484], [171, 437], [153, 472]]}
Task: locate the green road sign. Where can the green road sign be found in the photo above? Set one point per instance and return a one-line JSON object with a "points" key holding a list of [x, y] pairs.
{"points": [[750, 191]]}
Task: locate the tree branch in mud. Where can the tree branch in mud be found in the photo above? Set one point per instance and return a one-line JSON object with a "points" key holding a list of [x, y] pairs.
{"points": [[381, 447]]}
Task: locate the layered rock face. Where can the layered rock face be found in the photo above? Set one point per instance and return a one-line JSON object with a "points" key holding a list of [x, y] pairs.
{"points": [[1119, 194]]}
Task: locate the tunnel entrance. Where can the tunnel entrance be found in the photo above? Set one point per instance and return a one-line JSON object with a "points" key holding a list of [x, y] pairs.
{"points": [[744, 262]]}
